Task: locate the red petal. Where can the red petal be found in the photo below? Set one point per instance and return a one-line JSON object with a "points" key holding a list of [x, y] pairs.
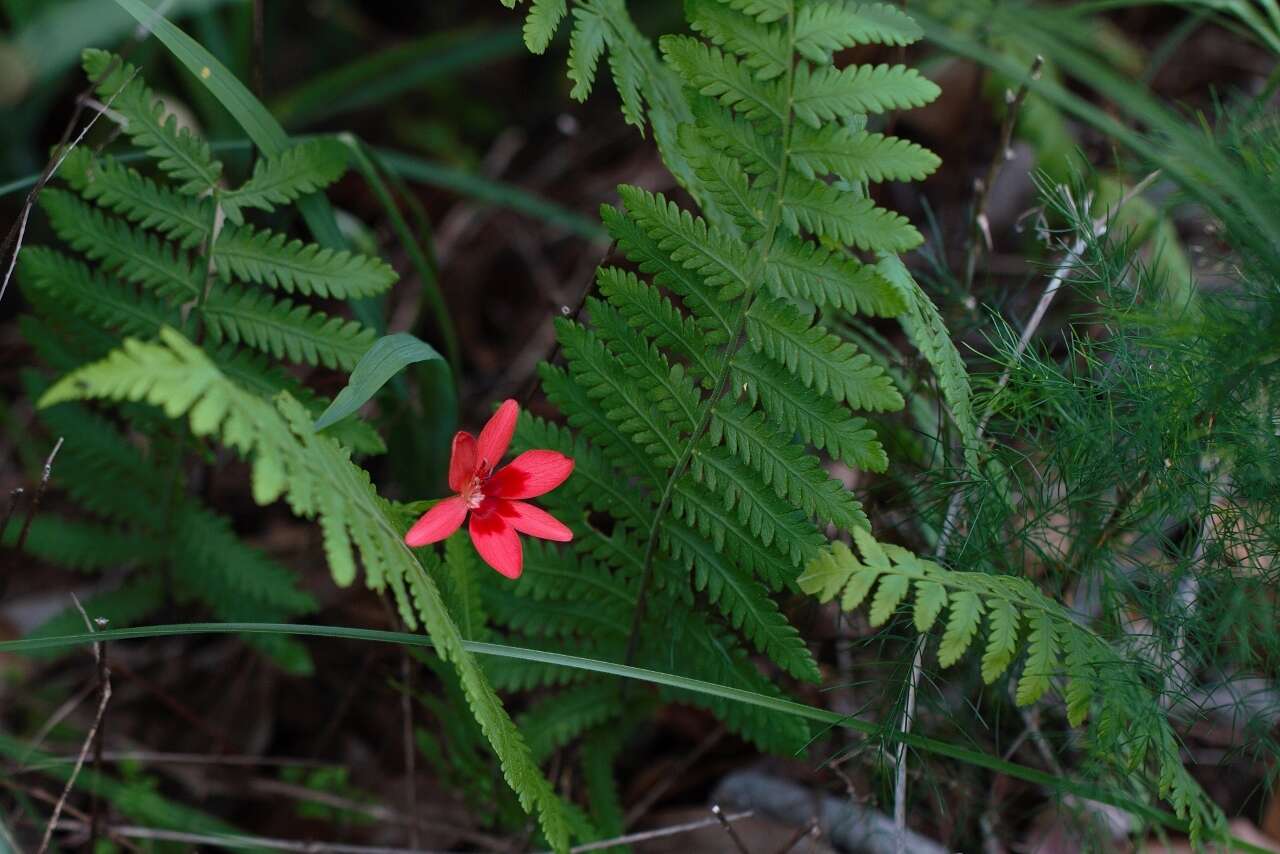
{"points": [[462, 462], [529, 475], [497, 543], [438, 522], [496, 435], [534, 521]]}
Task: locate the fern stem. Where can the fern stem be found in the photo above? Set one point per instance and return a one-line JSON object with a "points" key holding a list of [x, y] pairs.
{"points": [[735, 343]]}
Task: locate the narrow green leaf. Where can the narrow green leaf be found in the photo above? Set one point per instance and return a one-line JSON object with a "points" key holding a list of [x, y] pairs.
{"points": [[388, 356]]}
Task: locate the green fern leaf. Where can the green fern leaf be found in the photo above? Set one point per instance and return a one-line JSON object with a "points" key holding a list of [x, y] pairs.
{"points": [[928, 333], [828, 212], [888, 595], [821, 29], [139, 199], [557, 720], [541, 23], [1082, 674], [285, 330], [711, 72], [763, 49], [931, 598], [461, 586], [1002, 643], [712, 317], [827, 574], [85, 546], [764, 11], [759, 153], [653, 315], [825, 94], [301, 169], [858, 156], [1042, 659], [962, 627], [135, 257], [268, 258], [821, 422], [720, 261], [794, 474], [92, 296], [801, 270], [178, 151], [586, 46], [819, 359], [628, 78]]}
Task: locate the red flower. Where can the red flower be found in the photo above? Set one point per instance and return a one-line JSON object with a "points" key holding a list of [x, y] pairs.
{"points": [[492, 497]]}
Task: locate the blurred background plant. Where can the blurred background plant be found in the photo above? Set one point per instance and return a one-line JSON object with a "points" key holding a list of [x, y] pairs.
{"points": [[1101, 244]]}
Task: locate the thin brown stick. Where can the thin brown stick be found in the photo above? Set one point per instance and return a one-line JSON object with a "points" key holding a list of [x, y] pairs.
{"points": [[32, 507], [104, 693], [576, 313], [18, 232], [15, 497], [980, 229], [728, 829], [664, 785], [84, 749], [242, 841]]}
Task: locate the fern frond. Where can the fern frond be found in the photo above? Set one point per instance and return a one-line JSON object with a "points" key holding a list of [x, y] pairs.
{"points": [[825, 94], [827, 212], [560, 718], [142, 259], [719, 261], [718, 75], [255, 373], [287, 331], [301, 169], [269, 258], [652, 314], [92, 296], [541, 23], [319, 480], [802, 270], [794, 474], [764, 11], [819, 359], [586, 46], [857, 156], [763, 49], [821, 422], [85, 546], [178, 151], [125, 191], [821, 29], [239, 582], [1008, 601]]}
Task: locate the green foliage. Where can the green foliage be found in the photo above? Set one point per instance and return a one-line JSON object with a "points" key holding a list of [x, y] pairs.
{"points": [[1130, 726], [704, 383], [316, 477], [145, 252]]}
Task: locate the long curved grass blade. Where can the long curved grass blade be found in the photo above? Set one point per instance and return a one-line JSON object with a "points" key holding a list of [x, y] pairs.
{"points": [[248, 111], [654, 677]]}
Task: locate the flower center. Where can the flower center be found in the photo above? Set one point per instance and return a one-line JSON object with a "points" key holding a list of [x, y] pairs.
{"points": [[473, 493]]}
